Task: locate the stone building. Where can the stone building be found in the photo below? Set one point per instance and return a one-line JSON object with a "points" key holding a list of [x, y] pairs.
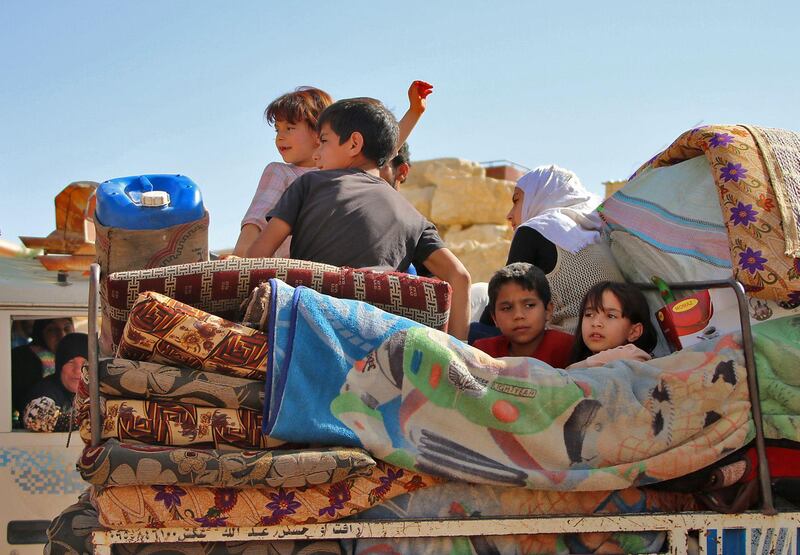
{"points": [[468, 207]]}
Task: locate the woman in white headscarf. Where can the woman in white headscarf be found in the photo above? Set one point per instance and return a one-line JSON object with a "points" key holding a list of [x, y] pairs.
{"points": [[556, 229]]}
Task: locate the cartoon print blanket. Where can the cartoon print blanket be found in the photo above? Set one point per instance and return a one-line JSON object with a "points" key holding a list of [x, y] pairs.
{"points": [[344, 373]]}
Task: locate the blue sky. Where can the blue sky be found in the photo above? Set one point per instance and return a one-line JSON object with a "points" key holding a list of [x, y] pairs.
{"points": [[96, 90]]}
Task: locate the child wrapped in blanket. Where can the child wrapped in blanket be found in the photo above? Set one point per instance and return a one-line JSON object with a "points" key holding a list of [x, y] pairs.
{"points": [[614, 324]]}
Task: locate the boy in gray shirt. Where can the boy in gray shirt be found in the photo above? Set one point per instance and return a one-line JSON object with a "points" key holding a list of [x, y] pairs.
{"points": [[346, 215]]}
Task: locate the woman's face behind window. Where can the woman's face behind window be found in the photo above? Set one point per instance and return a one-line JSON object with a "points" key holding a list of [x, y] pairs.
{"points": [[55, 330], [71, 373]]}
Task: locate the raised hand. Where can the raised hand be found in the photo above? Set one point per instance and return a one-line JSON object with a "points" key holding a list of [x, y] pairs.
{"points": [[417, 93]]}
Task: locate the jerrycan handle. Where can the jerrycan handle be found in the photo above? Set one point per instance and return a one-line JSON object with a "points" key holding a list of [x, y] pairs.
{"points": [[145, 184]]}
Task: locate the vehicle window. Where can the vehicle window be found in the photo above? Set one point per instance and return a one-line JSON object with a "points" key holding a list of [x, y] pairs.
{"points": [[41, 395]]}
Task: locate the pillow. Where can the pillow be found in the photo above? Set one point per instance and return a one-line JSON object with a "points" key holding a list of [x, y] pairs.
{"points": [[164, 330], [755, 195], [220, 287]]}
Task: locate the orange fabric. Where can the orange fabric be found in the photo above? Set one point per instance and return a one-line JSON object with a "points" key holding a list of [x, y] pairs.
{"points": [[182, 507]]}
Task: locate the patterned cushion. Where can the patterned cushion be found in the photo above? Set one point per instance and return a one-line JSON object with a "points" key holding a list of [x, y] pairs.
{"points": [[131, 464], [131, 379], [177, 424], [169, 422], [164, 330], [220, 287]]}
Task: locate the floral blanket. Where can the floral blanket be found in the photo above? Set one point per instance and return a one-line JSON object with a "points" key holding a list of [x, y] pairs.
{"points": [[70, 533], [749, 166], [421, 400], [132, 464], [193, 506]]}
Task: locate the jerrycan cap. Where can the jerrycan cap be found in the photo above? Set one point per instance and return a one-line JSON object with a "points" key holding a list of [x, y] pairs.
{"points": [[155, 198]]}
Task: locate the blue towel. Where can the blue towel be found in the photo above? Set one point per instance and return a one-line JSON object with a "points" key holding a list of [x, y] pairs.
{"points": [[314, 341]]}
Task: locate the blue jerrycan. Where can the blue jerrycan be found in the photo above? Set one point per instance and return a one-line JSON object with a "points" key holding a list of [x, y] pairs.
{"points": [[148, 202]]}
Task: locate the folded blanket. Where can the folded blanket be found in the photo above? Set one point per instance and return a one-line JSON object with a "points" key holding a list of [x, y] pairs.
{"points": [[668, 222], [423, 400], [175, 424], [70, 533], [127, 464], [164, 330], [324, 336], [130, 379], [175, 506], [460, 500], [780, 149]]}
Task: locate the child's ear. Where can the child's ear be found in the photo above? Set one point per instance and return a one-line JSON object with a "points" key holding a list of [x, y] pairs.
{"points": [[355, 143], [402, 172], [635, 332], [548, 311]]}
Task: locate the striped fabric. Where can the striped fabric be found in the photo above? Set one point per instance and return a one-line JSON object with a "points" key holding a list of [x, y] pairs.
{"points": [[667, 230]]}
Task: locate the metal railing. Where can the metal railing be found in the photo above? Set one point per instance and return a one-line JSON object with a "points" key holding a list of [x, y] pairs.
{"points": [[767, 505]]}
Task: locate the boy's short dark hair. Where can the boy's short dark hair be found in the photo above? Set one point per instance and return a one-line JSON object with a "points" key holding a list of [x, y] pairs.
{"points": [[528, 276], [302, 104], [369, 117], [403, 157]]}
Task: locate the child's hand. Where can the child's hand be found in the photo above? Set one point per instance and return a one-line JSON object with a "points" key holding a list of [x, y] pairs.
{"points": [[417, 93], [625, 352]]}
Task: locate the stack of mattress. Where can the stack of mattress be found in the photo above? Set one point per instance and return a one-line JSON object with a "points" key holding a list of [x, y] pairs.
{"points": [[206, 422]]}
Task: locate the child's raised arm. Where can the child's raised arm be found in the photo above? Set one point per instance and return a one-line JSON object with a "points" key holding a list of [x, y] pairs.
{"points": [[417, 93], [270, 239]]}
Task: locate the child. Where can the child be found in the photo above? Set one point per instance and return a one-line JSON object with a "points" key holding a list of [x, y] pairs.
{"points": [[294, 116], [346, 215], [614, 323], [519, 302], [395, 171]]}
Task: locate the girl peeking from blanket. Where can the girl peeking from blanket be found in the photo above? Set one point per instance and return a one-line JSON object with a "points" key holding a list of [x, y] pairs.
{"points": [[614, 324]]}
